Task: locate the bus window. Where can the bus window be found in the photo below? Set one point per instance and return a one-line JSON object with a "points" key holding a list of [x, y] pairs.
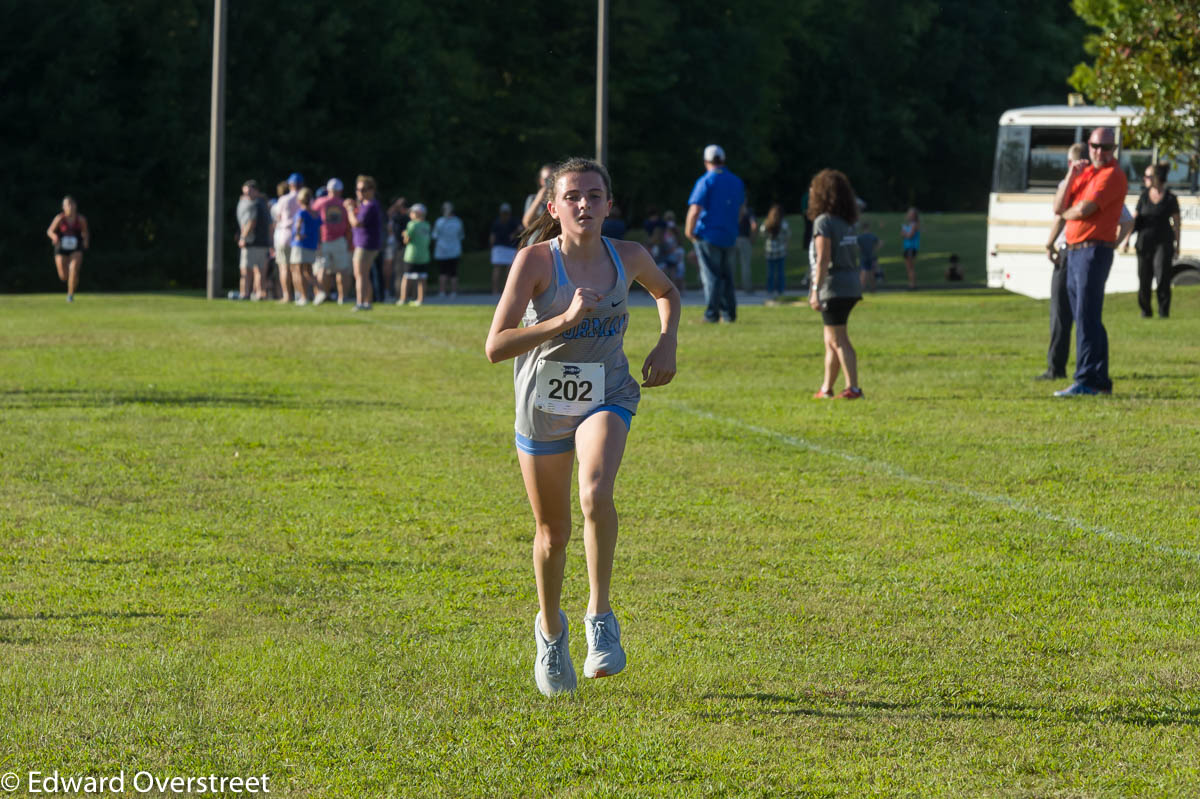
{"points": [[1134, 162], [1048, 155], [1181, 176], [1012, 149]]}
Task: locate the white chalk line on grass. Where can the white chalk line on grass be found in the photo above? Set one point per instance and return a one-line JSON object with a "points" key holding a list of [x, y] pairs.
{"points": [[796, 442], [901, 474]]}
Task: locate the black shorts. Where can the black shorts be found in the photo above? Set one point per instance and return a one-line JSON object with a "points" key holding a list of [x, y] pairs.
{"points": [[910, 251], [58, 250], [837, 310], [447, 267]]}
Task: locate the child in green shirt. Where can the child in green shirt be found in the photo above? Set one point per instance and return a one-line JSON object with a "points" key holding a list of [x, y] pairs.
{"points": [[416, 254]]}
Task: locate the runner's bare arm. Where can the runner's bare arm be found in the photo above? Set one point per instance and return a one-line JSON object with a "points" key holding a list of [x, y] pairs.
{"points": [[87, 237], [50, 231], [659, 367], [530, 275]]}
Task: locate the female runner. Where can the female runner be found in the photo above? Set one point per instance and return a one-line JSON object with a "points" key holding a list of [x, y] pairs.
{"points": [[69, 233], [574, 394]]}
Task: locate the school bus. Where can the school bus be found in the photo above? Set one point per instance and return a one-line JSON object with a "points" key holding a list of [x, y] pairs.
{"points": [[1031, 158]]}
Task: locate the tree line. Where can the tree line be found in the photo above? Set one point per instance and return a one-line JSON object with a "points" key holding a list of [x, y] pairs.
{"points": [[462, 101]]}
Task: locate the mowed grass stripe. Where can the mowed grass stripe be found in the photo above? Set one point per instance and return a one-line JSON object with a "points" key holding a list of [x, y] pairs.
{"points": [[942, 485]]}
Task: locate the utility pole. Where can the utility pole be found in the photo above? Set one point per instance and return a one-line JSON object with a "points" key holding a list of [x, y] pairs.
{"points": [[602, 82], [216, 151]]}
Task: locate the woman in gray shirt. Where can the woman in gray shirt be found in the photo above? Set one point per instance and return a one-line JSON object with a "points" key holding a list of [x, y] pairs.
{"points": [[836, 287]]}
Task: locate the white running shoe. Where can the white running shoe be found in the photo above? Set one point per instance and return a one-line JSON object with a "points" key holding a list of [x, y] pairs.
{"points": [[320, 297], [553, 671], [302, 300], [605, 656]]}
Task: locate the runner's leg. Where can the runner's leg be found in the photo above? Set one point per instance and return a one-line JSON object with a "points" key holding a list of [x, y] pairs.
{"points": [[600, 442], [75, 263], [548, 485]]}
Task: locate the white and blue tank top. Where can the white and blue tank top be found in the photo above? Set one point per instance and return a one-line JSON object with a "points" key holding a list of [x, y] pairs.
{"points": [[597, 338]]}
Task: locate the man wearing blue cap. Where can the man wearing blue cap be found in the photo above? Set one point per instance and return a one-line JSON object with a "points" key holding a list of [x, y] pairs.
{"points": [[712, 225], [285, 211]]}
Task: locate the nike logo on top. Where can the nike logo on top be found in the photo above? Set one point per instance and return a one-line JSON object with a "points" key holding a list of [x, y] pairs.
{"points": [[618, 302]]}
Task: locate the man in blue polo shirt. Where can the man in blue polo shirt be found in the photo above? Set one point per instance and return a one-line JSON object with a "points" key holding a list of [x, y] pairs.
{"points": [[712, 225]]}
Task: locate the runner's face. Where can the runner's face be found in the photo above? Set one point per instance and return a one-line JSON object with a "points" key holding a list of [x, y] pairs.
{"points": [[581, 202], [68, 207]]}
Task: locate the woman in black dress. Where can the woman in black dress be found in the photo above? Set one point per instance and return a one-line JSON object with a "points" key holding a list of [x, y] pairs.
{"points": [[1157, 223]]}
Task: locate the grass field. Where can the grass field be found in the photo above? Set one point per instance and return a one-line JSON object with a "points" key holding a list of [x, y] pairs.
{"points": [[246, 540]]}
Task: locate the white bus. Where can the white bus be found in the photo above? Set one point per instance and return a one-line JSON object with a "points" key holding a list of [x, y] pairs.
{"points": [[1031, 158]]}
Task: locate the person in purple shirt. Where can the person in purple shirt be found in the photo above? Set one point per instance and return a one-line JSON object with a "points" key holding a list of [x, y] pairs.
{"points": [[712, 225], [366, 217]]}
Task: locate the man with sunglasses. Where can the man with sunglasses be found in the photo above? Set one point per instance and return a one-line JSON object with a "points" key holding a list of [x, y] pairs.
{"points": [[1090, 199]]}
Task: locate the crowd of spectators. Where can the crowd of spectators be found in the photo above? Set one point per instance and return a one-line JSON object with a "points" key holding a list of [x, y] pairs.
{"points": [[312, 247]]}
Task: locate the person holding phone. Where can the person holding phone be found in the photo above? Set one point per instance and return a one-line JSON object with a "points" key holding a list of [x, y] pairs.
{"points": [[534, 202], [1090, 199]]}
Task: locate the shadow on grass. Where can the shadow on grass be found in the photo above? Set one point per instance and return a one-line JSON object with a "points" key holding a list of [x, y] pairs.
{"points": [[81, 398], [97, 614], [1136, 715]]}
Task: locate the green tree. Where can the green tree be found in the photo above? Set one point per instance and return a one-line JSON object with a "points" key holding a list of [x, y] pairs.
{"points": [[1146, 53], [460, 100]]}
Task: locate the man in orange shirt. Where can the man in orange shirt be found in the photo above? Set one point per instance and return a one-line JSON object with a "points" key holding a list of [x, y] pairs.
{"points": [[1090, 199]]}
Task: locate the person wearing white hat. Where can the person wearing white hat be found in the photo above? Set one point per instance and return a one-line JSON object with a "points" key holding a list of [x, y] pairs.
{"points": [[416, 253], [712, 225]]}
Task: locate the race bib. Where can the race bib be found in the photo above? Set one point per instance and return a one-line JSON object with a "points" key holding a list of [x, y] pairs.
{"points": [[569, 389], [68, 242]]}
